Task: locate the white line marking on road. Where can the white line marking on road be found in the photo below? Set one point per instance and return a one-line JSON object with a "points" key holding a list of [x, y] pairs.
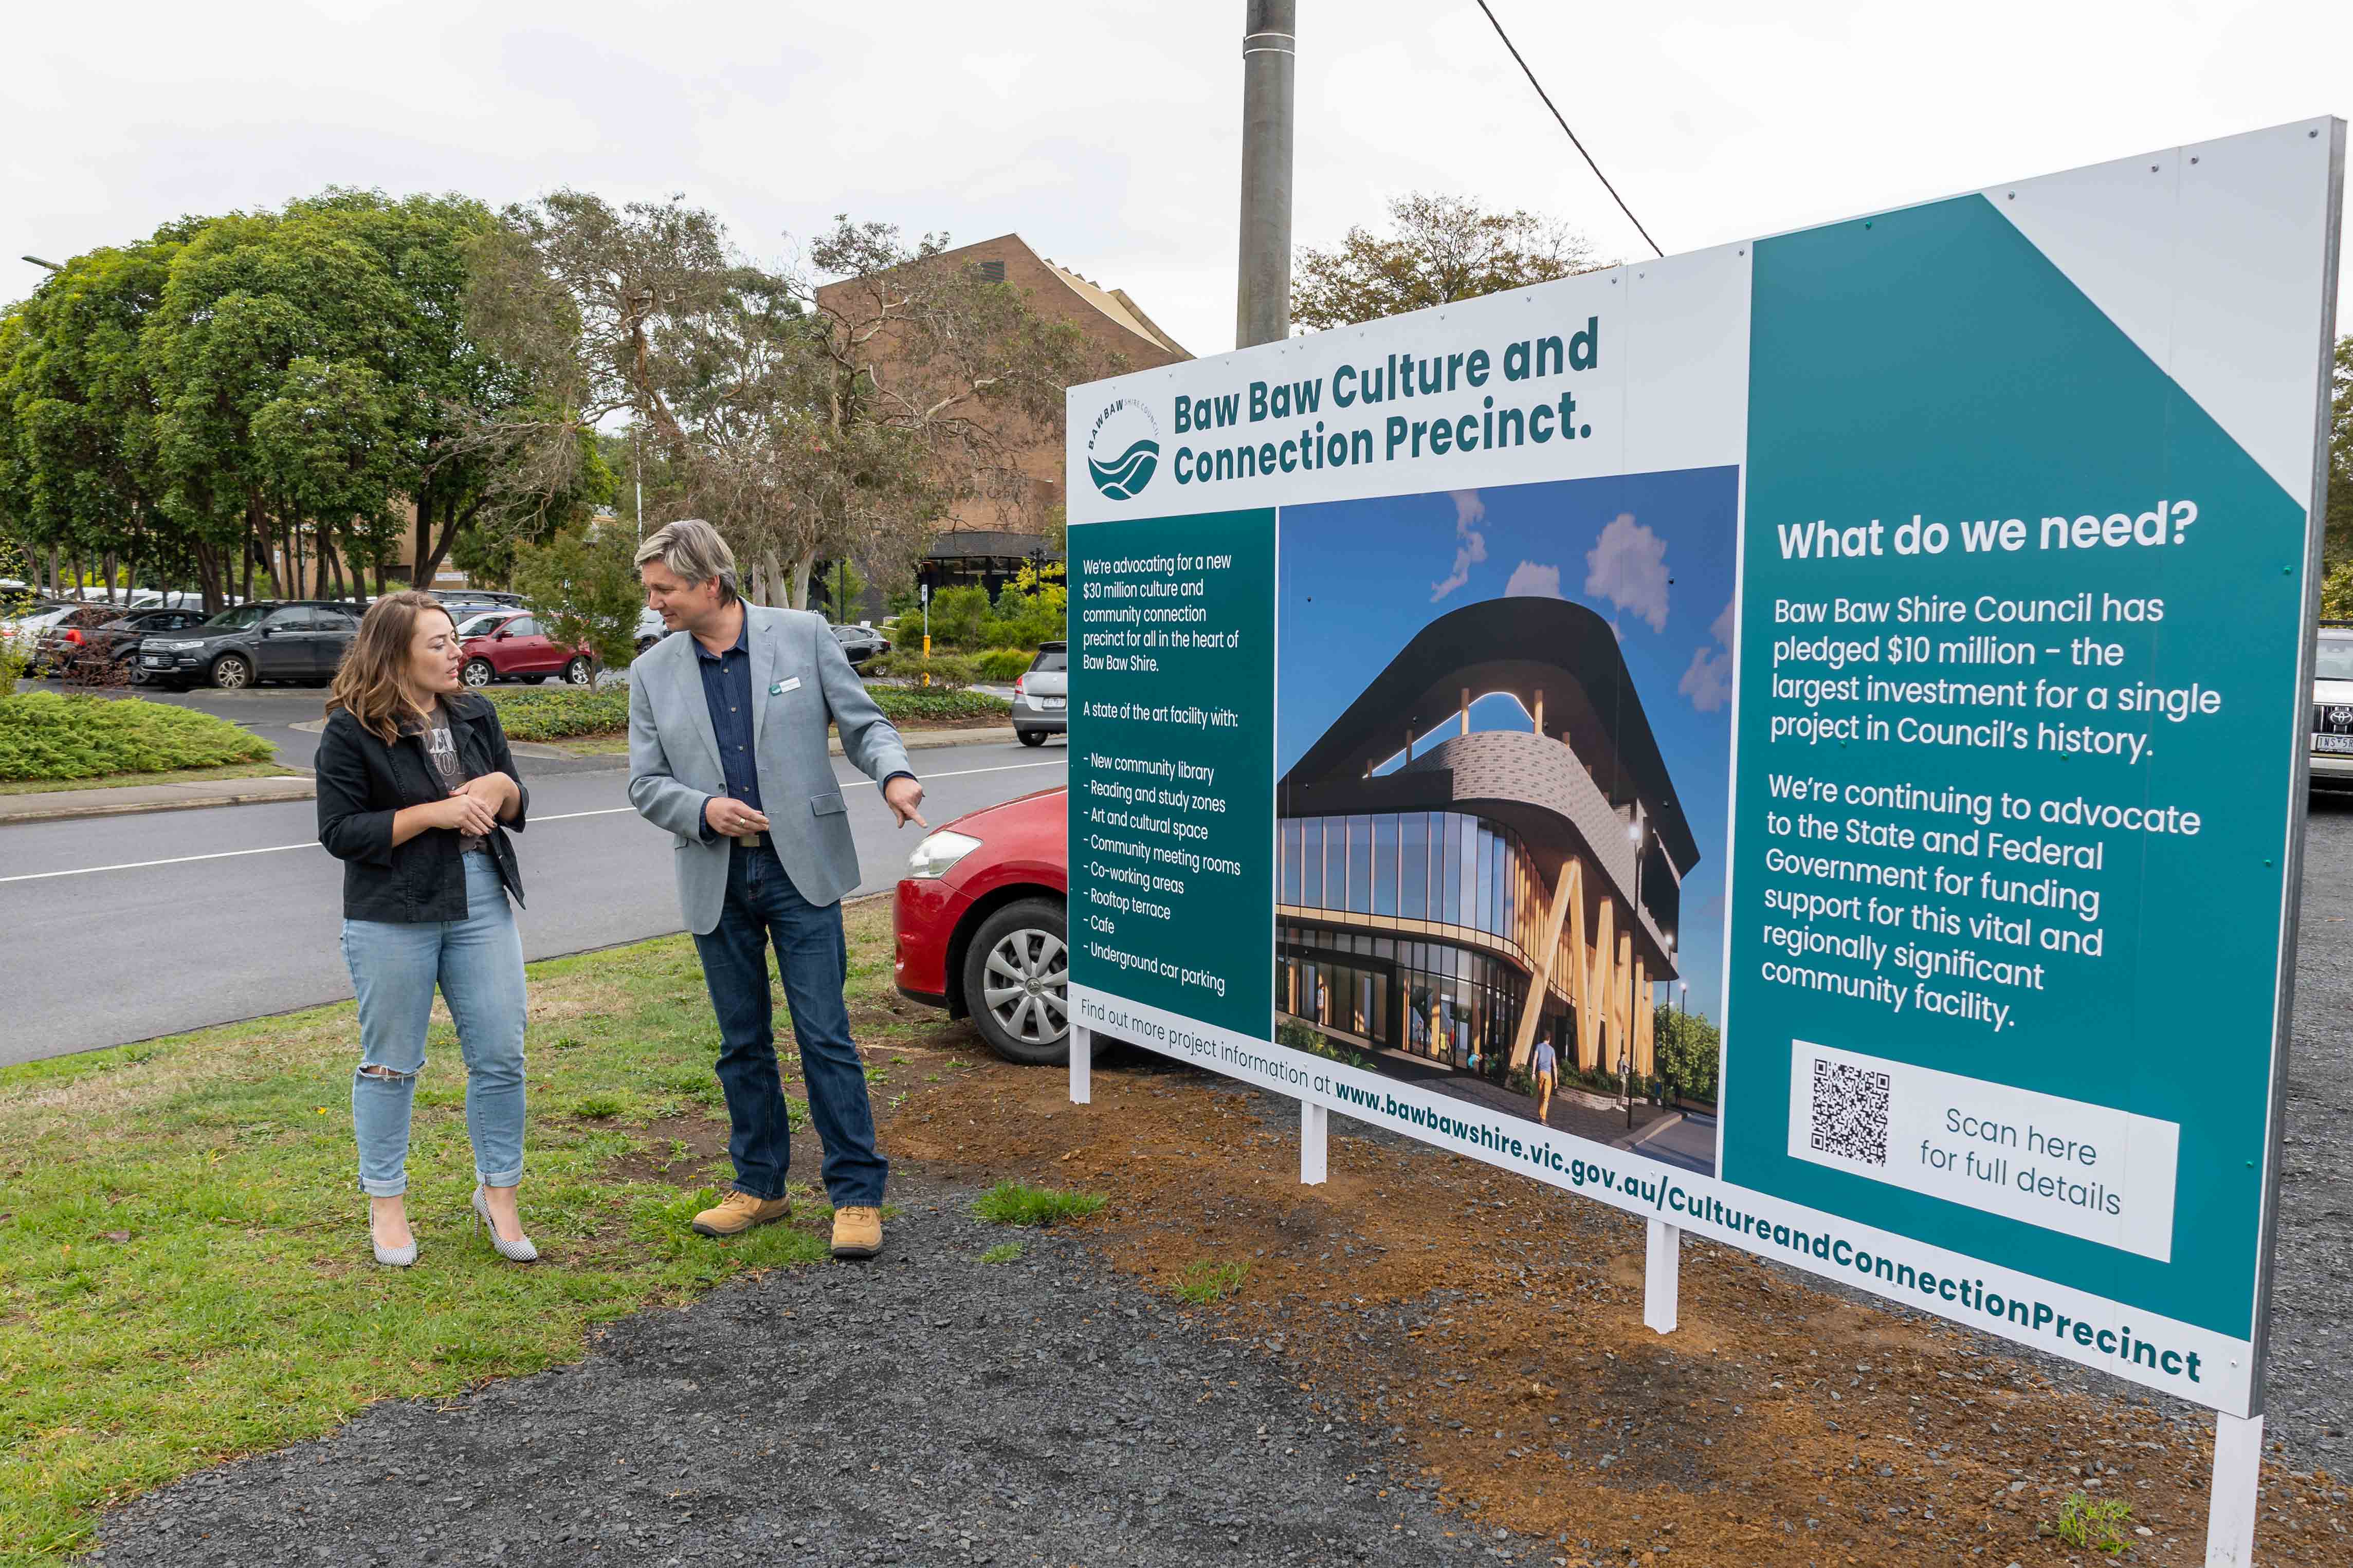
{"points": [[143, 865], [967, 773], [558, 817]]}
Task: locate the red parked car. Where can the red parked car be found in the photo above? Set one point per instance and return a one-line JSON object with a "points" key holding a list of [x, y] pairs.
{"points": [[980, 926], [509, 645]]}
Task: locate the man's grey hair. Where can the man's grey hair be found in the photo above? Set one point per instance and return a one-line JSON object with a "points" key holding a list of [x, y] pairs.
{"points": [[692, 549]]}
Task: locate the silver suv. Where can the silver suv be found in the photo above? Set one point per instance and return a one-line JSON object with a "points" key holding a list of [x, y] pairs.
{"points": [[1042, 696], [2332, 709]]}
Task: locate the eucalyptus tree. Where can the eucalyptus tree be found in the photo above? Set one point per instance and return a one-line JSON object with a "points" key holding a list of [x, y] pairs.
{"points": [[838, 408], [1439, 248]]}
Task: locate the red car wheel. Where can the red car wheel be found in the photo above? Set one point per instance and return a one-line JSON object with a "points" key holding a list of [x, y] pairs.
{"points": [[1016, 978]]}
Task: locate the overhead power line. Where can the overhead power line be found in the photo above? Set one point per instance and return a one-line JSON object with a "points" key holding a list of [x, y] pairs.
{"points": [[1571, 134]]}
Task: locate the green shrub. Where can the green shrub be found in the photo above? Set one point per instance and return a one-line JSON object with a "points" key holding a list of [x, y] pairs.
{"points": [[957, 616], [1016, 1202], [1300, 1038], [44, 735], [558, 712], [899, 702], [953, 671], [1688, 1049], [1028, 618], [1000, 665], [949, 671]]}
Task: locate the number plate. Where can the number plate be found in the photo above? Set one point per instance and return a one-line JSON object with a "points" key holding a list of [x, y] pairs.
{"points": [[1052, 703], [2333, 744], [159, 660]]}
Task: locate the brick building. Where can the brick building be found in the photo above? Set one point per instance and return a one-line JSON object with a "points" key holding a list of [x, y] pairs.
{"points": [[983, 540]]}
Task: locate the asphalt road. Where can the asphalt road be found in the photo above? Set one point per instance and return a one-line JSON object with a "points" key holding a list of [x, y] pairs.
{"points": [[125, 928]]}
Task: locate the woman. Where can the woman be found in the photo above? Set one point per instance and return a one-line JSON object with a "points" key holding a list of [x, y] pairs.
{"points": [[417, 789]]}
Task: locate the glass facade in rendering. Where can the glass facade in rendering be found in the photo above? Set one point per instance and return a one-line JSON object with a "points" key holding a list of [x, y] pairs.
{"points": [[1450, 995]]}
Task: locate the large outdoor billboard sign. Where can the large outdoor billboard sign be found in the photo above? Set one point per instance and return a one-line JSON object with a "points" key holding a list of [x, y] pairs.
{"points": [[1888, 642]]}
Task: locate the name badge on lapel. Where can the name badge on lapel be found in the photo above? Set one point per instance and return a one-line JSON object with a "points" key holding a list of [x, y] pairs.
{"points": [[780, 688]]}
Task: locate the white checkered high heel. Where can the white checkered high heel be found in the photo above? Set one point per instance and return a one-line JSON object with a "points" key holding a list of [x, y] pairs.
{"points": [[519, 1250]]}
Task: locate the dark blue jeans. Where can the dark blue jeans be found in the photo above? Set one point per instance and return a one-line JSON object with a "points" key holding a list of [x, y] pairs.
{"points": [[763, 905]]}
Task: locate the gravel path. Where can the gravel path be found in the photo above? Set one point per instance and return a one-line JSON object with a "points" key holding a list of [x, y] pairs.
{"points": [[927, 1408], [2311, 1406]]}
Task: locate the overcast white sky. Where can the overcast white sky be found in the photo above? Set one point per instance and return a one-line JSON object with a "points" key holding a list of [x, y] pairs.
{"points": [[1106, 132]]}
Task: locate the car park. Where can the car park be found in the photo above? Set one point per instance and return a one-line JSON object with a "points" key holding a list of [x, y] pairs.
{"points": [[511, 645], [2332, 708], [95, 639], [301, 641], [1042, 696], [980, 925]]}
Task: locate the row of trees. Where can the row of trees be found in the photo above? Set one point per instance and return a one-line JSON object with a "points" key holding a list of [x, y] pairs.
{"points": [[290, 395], [233, 389]]}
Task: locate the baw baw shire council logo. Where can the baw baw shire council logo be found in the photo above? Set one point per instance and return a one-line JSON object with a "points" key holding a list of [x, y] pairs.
{"points": [[1124, 449]]}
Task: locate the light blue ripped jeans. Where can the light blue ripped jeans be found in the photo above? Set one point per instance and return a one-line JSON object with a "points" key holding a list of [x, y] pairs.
{"points": [[478, 963]]}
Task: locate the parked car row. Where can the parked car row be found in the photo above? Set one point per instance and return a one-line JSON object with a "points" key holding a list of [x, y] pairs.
{"points": [[303, 640], [97, 638]]}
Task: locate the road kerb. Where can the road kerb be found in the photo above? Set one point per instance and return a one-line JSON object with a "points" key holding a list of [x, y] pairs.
{"points": [[133, 799]]}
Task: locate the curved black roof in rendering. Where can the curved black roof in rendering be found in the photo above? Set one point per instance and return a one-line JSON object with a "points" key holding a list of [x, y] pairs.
{"points": [[1521, 646]]}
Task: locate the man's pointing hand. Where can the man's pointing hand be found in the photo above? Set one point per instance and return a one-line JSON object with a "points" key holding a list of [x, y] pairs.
{"points": [[903, 795]]}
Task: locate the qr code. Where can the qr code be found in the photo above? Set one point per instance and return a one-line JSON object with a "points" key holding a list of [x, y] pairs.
{"points": [[1850, 1113]]}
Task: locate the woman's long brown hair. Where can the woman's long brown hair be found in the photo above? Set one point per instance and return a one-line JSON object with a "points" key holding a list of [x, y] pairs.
{"points": [[368, 685]]}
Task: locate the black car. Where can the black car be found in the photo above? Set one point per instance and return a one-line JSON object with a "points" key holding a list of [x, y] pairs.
{"points": [[300, 640], [96, 636], [860, 644]]}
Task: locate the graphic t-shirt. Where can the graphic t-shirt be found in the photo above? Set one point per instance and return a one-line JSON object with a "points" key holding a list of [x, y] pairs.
{"points": [[441, 749]]}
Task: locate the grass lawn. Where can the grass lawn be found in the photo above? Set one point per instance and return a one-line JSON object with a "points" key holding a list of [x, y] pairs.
{"points": [[175, 775], [184, 1265]]}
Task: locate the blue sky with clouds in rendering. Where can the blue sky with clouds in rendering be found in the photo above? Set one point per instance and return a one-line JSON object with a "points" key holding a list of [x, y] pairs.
{"points": [[1652, 553]]}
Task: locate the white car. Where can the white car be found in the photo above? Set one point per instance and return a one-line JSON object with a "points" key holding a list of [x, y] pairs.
{"points": [[2332, 709], [23, 633]]}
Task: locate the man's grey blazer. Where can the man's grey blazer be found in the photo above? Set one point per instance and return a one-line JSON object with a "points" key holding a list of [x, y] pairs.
{"points": [[800, 678]]}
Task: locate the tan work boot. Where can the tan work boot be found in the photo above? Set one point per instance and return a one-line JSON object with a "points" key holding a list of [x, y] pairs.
{"points": [[740, 1212], [857, 1232]]}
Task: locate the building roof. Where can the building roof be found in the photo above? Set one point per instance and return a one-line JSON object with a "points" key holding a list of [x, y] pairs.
{"points": [[1116, 304], [1520, 645], [970, 542]]}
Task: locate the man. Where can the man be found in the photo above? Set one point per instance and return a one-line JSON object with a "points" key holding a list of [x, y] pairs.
{"points": [[727, 750], [1547, 1074]]}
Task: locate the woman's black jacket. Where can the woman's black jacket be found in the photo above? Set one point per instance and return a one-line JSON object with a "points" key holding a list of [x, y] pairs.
{"points": [[363, 781]]}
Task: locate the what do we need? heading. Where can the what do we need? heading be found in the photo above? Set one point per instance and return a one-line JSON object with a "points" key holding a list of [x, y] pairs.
{"points": [[2166, 524], [1326, 422]]}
